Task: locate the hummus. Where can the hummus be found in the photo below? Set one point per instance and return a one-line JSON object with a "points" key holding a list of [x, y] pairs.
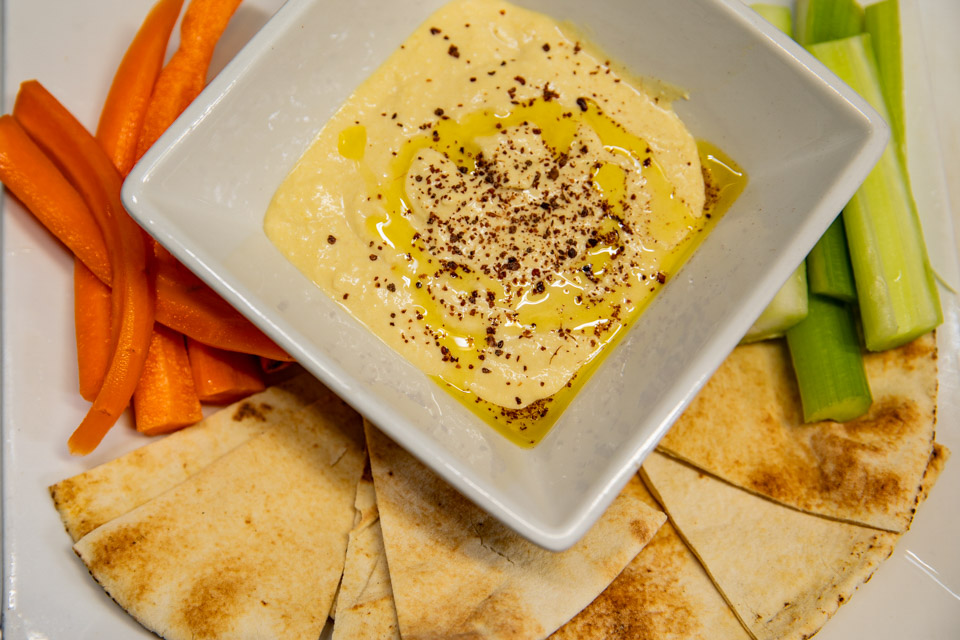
{"points": [[496, 203]]}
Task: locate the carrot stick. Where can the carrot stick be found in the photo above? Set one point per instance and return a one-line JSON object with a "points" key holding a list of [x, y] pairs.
{"points": [[186, 303], [91, 302], [126, 105], [33, 178], [88, 168], [166, 399], [222, 377], [185, 75]]}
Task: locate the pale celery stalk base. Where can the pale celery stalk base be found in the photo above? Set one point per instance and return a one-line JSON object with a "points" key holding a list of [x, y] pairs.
{"points": [[786, 309]]}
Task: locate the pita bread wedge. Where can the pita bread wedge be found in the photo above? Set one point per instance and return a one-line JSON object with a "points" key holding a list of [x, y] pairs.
{"points": [[94, 497], [784, 572], [663, 594], [745, 427], [365, 607], [458, 573], [251, 546]]}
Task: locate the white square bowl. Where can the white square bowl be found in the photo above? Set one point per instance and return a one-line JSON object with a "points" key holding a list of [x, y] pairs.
{"points": [[805, 140]]}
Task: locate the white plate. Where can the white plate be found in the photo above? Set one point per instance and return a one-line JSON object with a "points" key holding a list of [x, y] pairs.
{"points": [[47, 593]]}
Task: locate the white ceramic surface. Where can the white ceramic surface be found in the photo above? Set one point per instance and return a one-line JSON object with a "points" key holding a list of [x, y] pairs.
{"points": [[805, 143], [47, 593]]}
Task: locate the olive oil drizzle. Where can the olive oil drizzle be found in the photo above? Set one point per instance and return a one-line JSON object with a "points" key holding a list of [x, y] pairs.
{"points": [[560, 303]]}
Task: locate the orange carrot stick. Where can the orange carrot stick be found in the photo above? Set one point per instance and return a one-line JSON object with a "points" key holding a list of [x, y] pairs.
{"points": [[166, 398], [91, 303], [185, 75], [221, 376], [88, 168], [33, 178], [123, 112], [186, 303]]}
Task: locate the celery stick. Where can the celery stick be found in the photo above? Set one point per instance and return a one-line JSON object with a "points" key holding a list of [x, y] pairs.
{"points": [[786, 309], [821, 20], [896, 288], [828, 362], [777, 15], [789, 306], [828, 265], [882, 22]]}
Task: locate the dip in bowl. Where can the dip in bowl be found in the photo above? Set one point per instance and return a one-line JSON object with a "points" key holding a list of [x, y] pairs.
{"points": [[498, 203]]}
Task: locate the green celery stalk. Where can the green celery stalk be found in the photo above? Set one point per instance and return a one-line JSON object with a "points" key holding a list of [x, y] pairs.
{"points": [[896, 288], [822, 20], [776, 14], [828, 362], [882, 22], [789, 306], [828, 265], [786, 309]]}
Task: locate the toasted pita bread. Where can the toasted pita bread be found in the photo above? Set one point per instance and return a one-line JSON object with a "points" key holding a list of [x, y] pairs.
{"points": [[458, 573], [663, 594], [365, 607], [746, 427], [94, 497], [784, 572], [251, 546]]}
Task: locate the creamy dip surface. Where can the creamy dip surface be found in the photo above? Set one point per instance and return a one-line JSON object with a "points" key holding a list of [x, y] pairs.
{"points": [[496, 203]]}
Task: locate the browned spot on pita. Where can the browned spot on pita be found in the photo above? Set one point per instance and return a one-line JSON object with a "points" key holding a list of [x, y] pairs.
{"points": [[938, 458], [641, 530], [119, 549], [209, 609], [115, 547], [770, 482], [843, 471], [636, 607], [64, 494], [249, 410], [908, 356], [844, 474], [886, 418]]}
